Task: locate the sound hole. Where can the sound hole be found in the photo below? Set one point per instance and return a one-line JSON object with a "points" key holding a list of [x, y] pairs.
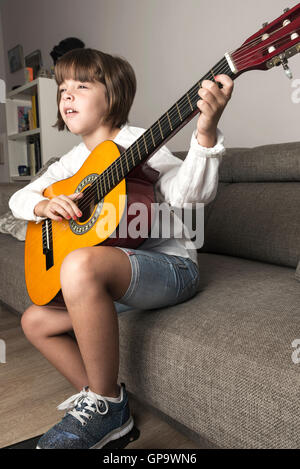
{"points": [[86, 205]]}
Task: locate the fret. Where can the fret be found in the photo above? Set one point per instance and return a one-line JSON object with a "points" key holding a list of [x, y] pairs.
{"points": [[178, 111], [161, 132], [107, 180], [169, 121], [152, 136], [132, 156], [145, 143], [125, 156], [138, 147], [187, 94], [104, 173], [112, 173], [121, 164], [97, 187], [115, 169]]}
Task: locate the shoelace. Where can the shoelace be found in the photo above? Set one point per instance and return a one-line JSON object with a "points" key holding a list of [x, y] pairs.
{"points": [[91, 401]]}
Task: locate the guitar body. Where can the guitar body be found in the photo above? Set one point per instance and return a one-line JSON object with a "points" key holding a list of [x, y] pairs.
{"points": [[49, 242]]}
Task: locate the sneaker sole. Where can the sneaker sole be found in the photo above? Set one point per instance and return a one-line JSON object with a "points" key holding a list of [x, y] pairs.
{"points": [[113, 435]]}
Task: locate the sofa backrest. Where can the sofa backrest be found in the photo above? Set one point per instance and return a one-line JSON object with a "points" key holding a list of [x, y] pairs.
{"points": [[6, 191], [256, 212]]}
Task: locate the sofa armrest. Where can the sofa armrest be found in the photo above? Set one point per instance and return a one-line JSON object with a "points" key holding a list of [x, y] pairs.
{"points": [[6, 191]]}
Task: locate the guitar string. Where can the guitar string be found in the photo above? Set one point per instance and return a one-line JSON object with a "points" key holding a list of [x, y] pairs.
{"points": [[53, 237], [183, 109], [156, 132], [63, 227], [257, 40], [245, 56], [118, 164]]}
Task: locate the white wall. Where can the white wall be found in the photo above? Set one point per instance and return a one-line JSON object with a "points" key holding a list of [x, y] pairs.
{"points": [[171, 44]]}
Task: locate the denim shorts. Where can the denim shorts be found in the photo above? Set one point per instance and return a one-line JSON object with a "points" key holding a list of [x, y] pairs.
{"points": [[158, 280]]}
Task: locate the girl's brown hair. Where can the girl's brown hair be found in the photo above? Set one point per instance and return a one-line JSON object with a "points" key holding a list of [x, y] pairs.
{"points": [[115, 73]]}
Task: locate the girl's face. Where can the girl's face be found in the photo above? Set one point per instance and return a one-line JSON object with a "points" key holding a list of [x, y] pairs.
{"points": [[88, 102]]}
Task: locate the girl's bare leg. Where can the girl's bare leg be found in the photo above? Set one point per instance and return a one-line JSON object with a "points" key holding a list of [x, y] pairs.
{"points": [[91, 278], [46, 328]]}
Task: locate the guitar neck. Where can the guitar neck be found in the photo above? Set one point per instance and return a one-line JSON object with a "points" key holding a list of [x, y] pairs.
{"points": [[158, 134]]}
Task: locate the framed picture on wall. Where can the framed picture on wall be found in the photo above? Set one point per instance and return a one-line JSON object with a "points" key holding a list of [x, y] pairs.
{"points": [[34, 60], [16, 58]]}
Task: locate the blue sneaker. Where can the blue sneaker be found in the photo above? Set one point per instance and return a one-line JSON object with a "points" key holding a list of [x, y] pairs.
{"points": [[90, 422]]}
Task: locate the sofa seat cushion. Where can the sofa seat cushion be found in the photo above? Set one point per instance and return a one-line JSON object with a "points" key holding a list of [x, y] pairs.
{"points": [[12, 275], [221, 363]]}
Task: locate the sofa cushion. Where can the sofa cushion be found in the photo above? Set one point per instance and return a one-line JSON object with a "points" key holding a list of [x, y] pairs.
{"points": [[277, 162], [12, 273], [8, 223], [256, 221], [221, 363], [6, 191], [12, 225]]}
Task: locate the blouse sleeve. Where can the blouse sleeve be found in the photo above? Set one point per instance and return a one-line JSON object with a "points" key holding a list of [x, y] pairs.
{"points": [[193, 180]]}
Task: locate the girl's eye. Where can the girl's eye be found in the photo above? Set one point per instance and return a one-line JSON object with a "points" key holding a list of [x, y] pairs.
{"points": [[63, 89]]}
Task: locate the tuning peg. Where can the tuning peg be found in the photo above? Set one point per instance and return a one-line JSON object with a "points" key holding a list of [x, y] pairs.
{"points": [[287, 69], [265, 24], [285, 10]]}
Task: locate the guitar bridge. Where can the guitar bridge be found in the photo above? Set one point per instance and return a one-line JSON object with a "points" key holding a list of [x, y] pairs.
{"points": [[47, 242]]}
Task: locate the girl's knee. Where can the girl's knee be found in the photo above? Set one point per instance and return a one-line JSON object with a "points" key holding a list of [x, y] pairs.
{"points": [[32, 321], [76, 266]]}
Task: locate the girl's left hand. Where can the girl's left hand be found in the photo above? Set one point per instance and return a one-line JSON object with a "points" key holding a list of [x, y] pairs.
{"points": [[211, 105]]}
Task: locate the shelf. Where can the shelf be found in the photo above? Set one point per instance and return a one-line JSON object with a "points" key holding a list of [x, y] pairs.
{"points": [[23, 135], [50, 142], [24, 91]]}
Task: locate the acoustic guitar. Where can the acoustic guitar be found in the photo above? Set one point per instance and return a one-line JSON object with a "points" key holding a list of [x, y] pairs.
{"points": [[112, 179]]}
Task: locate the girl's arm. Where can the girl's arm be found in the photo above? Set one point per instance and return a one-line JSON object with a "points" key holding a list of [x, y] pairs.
{"points": [[196, 178], [193, 180]]}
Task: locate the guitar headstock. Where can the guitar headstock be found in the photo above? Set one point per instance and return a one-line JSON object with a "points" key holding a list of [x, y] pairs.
{"points": [[272, 45]]}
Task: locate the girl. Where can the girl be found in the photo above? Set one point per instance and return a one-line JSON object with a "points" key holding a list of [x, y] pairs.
{"points": [[99, 90]]}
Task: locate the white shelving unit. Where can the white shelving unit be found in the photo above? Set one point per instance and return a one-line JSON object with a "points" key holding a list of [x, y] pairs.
{"points": [[52, 142]]}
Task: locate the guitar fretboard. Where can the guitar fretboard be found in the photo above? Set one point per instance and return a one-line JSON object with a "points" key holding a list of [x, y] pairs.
{"points": [[157, 135]]}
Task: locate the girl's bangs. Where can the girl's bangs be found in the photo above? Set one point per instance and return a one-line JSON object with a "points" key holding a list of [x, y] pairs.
{"points": [[75, 70]]}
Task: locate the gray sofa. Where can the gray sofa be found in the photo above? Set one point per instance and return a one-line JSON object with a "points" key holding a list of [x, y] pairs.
{"points": [[219, 367]]}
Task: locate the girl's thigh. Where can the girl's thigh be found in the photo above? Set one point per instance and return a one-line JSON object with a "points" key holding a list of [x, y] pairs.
{"points": [[158, 280]]}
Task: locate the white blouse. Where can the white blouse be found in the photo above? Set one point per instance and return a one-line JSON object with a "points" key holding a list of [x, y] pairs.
{"points": [[180, 182]]}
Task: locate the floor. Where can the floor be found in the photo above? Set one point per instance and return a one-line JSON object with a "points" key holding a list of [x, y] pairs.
{"points": [[31, 388]]}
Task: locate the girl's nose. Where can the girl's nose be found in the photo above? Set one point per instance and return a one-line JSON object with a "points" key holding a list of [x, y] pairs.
{"points": [[68, 96]]}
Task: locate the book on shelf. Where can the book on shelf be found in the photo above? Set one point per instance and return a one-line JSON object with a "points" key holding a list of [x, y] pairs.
{"points": [[34, 159], [37, 119], [23, 118], [28, 117], [35, 114]]}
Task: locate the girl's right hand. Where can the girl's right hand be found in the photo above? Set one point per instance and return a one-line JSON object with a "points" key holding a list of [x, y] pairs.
{"points": [[62, 206]]}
